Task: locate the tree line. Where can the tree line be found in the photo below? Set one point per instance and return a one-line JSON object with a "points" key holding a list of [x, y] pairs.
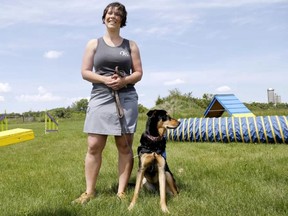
{"points": [[178, 104]]}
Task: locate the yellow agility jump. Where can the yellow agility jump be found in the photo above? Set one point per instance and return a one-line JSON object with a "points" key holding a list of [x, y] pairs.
{"points": [[51, 124], [3, 122]]}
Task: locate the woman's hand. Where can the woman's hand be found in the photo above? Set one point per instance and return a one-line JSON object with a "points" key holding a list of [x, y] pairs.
{"points": [[115, 82]]}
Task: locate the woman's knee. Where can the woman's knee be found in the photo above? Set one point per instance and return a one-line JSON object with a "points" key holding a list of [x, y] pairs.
{"points": [[96, 143], [124, 144]]}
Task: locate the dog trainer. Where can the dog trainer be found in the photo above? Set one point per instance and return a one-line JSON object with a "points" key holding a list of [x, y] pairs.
{"points": [[113, 65]]}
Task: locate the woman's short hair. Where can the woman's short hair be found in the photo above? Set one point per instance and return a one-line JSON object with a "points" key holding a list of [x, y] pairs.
{"points": [[121, 8]]}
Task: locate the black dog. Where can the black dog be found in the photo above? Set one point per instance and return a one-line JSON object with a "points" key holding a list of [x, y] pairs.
{"points": [[153, 167]]}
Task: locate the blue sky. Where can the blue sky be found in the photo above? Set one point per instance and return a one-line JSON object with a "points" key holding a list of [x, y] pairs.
{"points": [[195, 46]]}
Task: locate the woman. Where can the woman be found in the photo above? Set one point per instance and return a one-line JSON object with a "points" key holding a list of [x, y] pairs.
{"points": [[110, 55]]}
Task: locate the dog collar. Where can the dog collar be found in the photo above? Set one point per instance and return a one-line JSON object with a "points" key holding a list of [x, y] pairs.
{"points": [[153, 138]]}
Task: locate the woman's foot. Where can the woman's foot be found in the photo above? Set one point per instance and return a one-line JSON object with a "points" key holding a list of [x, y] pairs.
{"points": [[121, 196], [84, 198]]}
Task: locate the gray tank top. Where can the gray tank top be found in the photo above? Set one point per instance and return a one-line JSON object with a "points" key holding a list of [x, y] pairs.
{"points": [[106, 58]]}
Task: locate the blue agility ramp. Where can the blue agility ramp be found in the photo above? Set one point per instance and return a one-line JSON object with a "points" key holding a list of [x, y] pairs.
{"points": [[229, 103], [260, 129]]}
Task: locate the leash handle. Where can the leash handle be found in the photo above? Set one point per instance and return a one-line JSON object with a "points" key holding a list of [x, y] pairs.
{"points": [[121, 73]]}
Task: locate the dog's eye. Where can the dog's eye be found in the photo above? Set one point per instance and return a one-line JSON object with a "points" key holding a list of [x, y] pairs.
{"points": [[165, 118]]}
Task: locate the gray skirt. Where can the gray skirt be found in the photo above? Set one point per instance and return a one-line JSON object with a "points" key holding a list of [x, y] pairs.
{"points": [[102, 117]]}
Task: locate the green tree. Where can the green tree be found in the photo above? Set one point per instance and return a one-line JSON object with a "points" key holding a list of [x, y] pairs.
{"points": [[80, 106], [142, 109]]}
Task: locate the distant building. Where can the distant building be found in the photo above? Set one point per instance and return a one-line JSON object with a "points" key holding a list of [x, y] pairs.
{"points": [[277, 98], [273, 97]]}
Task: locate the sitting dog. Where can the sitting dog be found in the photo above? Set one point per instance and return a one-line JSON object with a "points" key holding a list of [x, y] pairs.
{"points": [[153, 168]]}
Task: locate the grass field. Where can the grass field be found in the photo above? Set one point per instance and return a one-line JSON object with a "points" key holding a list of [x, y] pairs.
{"points": [[42, 177]]}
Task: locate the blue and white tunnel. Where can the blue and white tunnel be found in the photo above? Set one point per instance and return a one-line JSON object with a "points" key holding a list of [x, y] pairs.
{"points": [[260, 129]]}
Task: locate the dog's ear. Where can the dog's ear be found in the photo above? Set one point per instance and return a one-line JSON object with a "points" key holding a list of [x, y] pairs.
{"points": [[150, 113]]}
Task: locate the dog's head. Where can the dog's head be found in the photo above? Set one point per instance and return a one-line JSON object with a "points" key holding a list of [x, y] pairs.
{"points": [[158, 121]]}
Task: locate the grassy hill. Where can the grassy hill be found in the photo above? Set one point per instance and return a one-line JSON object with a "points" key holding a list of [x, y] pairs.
{"points": [[186, 106]]}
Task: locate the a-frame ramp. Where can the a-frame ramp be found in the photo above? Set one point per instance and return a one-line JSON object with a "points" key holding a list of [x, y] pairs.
{"points": [[229, 103]]}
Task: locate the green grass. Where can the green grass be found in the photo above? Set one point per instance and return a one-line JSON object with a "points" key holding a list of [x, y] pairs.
{"points": [[42, 177]]}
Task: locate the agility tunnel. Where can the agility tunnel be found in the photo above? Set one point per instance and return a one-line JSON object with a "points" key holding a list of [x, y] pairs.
{"points": [[261, 129]]}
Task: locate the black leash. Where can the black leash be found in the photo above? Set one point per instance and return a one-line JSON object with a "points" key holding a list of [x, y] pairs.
{"points": [[119, 107], [120, 110], [115, 93]]}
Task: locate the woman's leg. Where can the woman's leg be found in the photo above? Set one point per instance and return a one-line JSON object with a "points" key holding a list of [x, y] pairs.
{"points": [[93, 160], [125, 160]]}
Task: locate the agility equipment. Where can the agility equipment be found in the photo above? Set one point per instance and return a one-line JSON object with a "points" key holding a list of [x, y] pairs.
{"points": [[229, 103], [16, 135], [51, 124], [260, 129], [242, 125], [3, 122]]}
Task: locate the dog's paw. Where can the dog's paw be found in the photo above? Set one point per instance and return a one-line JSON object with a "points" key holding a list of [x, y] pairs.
{"points": [[131, 206], [165, 210]]}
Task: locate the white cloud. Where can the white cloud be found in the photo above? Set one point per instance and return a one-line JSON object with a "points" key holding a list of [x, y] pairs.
{"points": [[83, 12], [42, 96], [42, 90], [230, 3], [174, 82], [223, 89], [5, 87], [53, 54], [48, 12], [245, 20]]}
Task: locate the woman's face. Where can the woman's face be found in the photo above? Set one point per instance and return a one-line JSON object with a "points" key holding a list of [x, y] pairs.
{"points": [[113, 18]]}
